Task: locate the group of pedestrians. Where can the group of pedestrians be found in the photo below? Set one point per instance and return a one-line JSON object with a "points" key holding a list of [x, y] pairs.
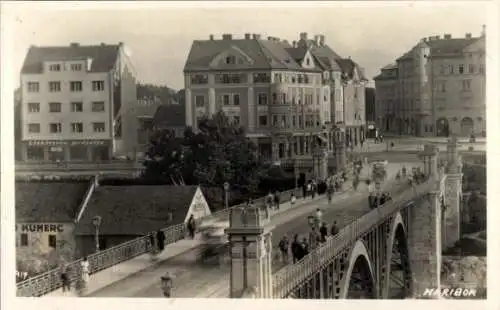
{"points": [[273, 200], [415, 177], [300, 247], [82, 279], [157, 242]]}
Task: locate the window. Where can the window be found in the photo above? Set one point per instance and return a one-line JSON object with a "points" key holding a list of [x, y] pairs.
{"points": [[52, 241], [97, 85], [33, 107], [461, 69], [99, 127], [481, 69], [275, 120], [55, 67], [34, 128], [75, 86], [450, 67], [441, 69], [54, 107], [235, 78], [76, 127], [55, 127], [54, 87], [230, 60], [236, 120], [199, 79], [225, 99], [24, 239], [236, 99], [199, 101], [33, 87], [308, 61], [441, 87], [472, 68], [275, 98], [76, 67], [98, 106], [466, 85], [261, 78], [262, 120], [77, 107], [262, 99]]}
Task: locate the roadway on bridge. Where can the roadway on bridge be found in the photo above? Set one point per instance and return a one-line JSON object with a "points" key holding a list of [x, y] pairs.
{"points": [[195, 279]]}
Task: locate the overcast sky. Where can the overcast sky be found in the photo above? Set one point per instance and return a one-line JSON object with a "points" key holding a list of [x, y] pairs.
{"points": [[160, 35]]}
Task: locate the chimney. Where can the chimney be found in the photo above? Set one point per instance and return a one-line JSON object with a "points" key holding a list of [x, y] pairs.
{"points": [[303, 36], [247, 36], [227, 36], [211, 37], [285, 42], [294, 43], [316, 40], [120, 43], [269, 38], [447, 36], [321, 40], [483, 31], [74, 44], [437, 37], [468, 35], [103, 44]]}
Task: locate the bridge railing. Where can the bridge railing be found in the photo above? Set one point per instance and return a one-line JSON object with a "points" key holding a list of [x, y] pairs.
{"points": [[290, 277], [50, 281]]}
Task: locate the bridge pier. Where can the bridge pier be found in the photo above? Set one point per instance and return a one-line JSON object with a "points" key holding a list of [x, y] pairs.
{"points": [[453, 194], [424, 232], [249, 235]]}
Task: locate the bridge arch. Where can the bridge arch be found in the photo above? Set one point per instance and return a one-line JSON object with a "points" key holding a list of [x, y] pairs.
{"points": [[360, 271], [397, 261]]}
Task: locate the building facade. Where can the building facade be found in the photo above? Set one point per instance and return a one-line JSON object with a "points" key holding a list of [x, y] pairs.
{"points": [[76, 103], [280, 93], [435, 89]]}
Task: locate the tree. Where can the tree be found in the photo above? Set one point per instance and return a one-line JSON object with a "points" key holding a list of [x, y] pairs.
{"points": [[219, 152]]}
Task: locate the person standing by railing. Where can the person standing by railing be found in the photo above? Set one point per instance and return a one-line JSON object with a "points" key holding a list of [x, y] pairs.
{"points": [[191, 226], [284, 247], [84, 276], [277, 200], [66, 283], [296, 248], [160, 238], [335, 229]]}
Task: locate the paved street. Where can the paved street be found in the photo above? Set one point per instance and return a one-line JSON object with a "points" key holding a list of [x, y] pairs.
{"points": [[193, 279]]}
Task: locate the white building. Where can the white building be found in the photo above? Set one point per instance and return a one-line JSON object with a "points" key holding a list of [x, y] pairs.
{"points": [[76, 103]]}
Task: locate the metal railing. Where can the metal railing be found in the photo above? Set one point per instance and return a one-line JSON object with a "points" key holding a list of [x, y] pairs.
{"points": [[50, 281], [290, 277]]}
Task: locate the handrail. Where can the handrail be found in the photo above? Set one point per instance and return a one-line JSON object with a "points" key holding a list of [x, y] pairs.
{"points": [[288, 278], [50, 280]]}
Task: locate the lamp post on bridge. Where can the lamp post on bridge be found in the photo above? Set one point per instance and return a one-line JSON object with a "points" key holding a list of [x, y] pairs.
{"points": [[226, 194], [96, 221]]}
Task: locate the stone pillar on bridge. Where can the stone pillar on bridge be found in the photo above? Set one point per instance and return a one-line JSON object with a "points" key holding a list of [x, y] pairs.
{"points": [[453, 195], [429, 157], [424, 232], [249, 235]]}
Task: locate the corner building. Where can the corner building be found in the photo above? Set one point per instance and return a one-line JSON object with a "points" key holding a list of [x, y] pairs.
{"points": [[76, 103], [436, 89], [277, 91]]}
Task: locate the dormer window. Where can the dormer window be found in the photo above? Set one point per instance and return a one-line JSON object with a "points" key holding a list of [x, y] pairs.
{"points": [[230, 60], [55, 67], [308, 61]]}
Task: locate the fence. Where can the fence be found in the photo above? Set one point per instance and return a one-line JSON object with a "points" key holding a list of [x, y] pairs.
{"points": [[288, 278], [51, 280]]}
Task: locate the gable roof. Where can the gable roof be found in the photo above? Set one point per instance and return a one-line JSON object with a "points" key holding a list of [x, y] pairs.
{"points": [[103, 56], [170, 115], [326, 56], [135, 210], [266, 54], [49, 201]]}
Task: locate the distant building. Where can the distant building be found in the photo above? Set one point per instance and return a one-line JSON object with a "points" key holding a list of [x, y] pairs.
{"points": [[171, 117], [284, 95], [437, 88], [131, 211], [76, 103], [370, 115]]}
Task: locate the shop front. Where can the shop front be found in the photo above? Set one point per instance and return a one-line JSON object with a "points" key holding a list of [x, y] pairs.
{"points": [[67, 151]]}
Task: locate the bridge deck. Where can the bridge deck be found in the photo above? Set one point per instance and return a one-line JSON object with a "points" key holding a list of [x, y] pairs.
{"points": [[203, 280]]}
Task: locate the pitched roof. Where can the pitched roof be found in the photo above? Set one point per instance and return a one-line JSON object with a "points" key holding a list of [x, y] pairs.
{"points": [[49, 201], [266, 54], [170, 115], [135, 210], [103, 56], [442, 47], [390, 66], [326, 56]]}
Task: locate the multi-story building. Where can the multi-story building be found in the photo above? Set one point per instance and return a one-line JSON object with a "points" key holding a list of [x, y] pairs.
{"points": [[435, 89], [77, 103], [280, 93], [273, 89], [370, 113]]}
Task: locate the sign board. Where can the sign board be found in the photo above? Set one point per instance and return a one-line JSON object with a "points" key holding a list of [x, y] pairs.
{"points": [[40, 228]]}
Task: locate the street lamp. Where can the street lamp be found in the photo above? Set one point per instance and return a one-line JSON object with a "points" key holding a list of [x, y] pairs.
{"points": [[226, 194], [96, 221]]}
